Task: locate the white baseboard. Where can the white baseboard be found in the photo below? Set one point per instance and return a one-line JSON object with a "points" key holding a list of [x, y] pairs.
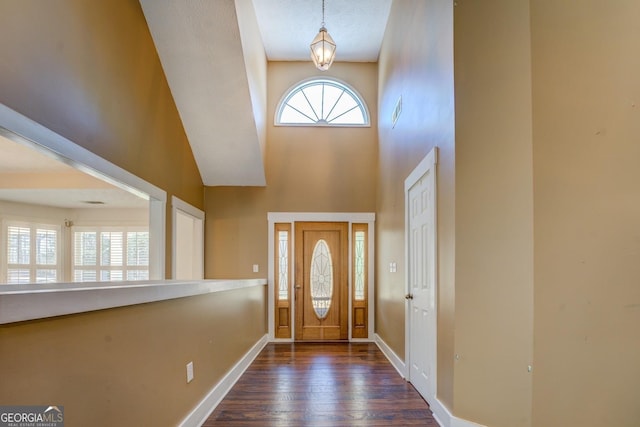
{"points": [[440, 412], [396, 362], [446, 419], [201, 412]]}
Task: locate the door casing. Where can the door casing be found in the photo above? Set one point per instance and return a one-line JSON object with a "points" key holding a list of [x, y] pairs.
{"points": [[348, 217]]}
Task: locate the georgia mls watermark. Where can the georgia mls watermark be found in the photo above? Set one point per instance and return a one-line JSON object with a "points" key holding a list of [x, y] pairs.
{"points": [[32, 416]]}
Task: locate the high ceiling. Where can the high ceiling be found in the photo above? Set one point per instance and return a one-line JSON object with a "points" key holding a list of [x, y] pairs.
{"points": [[288, 26], [214, 54]]}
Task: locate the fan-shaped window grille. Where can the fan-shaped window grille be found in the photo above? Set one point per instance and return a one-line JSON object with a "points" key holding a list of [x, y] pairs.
{"points": [[322, 102]]}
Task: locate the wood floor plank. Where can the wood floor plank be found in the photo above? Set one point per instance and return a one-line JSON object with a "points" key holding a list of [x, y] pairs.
{"points": [[321, 385]]}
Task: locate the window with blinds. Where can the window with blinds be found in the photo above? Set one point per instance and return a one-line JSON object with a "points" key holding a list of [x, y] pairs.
{"points": [[110, 254], [32, 253]]}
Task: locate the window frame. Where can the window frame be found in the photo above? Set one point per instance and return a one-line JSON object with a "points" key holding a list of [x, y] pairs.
{"points": [[28, 302], [99, 267], [291, 91], [32, 266]]}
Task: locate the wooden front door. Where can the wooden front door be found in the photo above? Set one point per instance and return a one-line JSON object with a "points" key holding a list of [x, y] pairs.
{"points": [[321, 274]]}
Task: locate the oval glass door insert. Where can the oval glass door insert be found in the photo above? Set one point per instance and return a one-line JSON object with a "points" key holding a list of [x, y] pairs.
{"points": [[321, 279]]}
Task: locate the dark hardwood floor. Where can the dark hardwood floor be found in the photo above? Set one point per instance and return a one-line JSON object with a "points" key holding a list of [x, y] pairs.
{"points": [[321, 384]]}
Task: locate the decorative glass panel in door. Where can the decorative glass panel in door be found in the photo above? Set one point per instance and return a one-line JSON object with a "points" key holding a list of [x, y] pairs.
{"points": [[321, 279]]}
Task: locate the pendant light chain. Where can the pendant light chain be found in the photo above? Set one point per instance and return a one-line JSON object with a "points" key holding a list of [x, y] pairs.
{"points": [[322, 13]]}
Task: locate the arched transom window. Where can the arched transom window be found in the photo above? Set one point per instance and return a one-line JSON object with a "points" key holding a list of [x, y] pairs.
{"points": [[322, 102]]}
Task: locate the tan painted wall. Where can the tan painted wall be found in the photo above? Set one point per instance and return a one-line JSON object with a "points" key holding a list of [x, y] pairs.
{"points": [[586, 127], [309, 169], [577, 66], [90, 72], [494, 213], [127, 366], [416, 62]]}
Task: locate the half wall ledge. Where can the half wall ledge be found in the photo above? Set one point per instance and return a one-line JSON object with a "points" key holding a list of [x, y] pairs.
{"points": [[19, 303]]}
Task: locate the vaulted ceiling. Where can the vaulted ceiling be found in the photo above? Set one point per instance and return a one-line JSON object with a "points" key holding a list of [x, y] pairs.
{"points": [[214, 54]]}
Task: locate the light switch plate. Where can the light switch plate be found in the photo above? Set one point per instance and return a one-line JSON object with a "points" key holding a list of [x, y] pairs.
{"points": [[189, 372]]}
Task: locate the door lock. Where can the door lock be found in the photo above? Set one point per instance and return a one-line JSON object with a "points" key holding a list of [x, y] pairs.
{"points": [[408, 296]]}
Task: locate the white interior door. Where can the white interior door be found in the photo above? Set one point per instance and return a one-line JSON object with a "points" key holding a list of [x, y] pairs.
{"points": [[421, 289]]}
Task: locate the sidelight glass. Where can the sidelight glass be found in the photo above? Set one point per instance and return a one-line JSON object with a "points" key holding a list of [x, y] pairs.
{"points": [[283, 265], [359, 265]]}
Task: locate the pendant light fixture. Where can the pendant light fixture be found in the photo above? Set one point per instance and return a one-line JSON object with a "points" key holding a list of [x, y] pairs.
{"points": [[323, 48]]}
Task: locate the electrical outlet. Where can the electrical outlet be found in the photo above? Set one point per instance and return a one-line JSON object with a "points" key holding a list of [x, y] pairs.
{"points": [[256, 268], [189, 372]]}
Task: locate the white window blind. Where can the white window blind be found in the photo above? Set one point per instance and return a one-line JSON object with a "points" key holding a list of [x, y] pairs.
{"points": [[138, 248], [110, 254], [19, 241], [32, 253]]}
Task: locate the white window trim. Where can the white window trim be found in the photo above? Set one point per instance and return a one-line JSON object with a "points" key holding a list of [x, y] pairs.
{"points": [[348, 87], [25, 131], [28, 302], [19, 303]]}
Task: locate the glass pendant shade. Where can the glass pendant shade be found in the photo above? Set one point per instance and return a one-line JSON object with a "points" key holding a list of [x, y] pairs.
{"points": [[323, 50]]}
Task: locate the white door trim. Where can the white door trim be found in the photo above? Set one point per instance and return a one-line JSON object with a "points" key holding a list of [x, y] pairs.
{"points": [[427, 163], [293, 217], [179, 206]]}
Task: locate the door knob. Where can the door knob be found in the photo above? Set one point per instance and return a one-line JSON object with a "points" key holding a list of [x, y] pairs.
{"points": [[408, 296], [298, 287]]}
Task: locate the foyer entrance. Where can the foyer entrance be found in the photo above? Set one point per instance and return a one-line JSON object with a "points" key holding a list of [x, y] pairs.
{"points": [[320, 274]]}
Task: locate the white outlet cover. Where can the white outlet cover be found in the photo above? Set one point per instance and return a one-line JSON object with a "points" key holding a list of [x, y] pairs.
{"points": [[189, 372], [256, 268]]}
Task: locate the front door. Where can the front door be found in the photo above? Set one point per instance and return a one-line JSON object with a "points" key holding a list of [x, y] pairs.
{"points": [[321, 281]]}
